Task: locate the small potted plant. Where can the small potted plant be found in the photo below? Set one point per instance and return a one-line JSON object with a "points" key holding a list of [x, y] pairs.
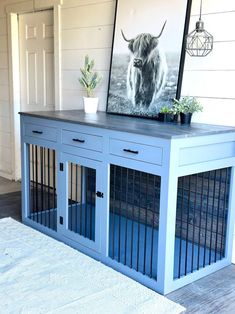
{"points": [[186, 106], [167, 114], [89, 80]]}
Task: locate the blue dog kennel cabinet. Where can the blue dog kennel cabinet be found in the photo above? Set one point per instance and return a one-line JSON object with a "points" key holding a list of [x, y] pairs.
{"points": [[154, 201]]}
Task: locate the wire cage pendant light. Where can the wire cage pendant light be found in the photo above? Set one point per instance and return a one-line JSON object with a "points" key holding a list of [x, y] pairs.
{"points": [[199, 43]]}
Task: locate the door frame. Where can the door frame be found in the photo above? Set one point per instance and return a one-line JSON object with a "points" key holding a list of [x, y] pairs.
{"points": [[62, 203], [12, 11]]}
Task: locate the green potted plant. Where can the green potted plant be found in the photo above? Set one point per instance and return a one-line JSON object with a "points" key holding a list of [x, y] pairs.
{"points": [[89, 80], [167, 114], [186, 106]]}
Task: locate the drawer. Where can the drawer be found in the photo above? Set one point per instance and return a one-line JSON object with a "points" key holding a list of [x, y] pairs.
{"points": [[41, 132], [137, 151], [82, 140]]}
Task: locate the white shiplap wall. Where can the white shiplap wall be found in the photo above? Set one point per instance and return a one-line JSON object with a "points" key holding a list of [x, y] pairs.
{"points": [[5, 128], [211, 79], [87, 27]]}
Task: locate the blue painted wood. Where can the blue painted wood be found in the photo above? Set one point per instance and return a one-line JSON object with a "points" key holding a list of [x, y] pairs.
{"points": [[176, 143]]}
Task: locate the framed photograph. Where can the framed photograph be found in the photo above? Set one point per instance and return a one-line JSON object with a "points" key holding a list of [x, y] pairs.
{"points": [[147, 55]]}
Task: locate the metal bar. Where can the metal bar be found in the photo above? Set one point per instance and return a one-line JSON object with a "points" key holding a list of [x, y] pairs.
{"points": [[54, 190], [86, 201], [48, 184], [207, 206], [33, 185], [81, 193], [30, 165], [76, 196], [114, 204], [132, 216], [212, 216], [146, 221], [187, 229], [152, 235], [92, 204], [181, 227], [126, 206], [138, 237], [200, 223], [41, 179], [194, 218], [223, 232], [36, 160], [71, 197], [119, 216], [217, 216], [44, 185]]}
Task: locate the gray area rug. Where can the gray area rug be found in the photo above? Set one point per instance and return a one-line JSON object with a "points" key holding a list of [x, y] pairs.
{"points": [[41, 275]]}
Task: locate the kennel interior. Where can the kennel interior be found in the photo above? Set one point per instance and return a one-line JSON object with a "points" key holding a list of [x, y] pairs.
{"points": [[43, 191], [201, 219]]}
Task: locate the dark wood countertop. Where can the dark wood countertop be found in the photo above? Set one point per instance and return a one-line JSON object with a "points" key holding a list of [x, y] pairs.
{"points": [[131, 124]]}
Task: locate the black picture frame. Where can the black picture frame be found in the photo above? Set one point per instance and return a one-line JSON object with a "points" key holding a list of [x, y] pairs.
{"points": [[128, 104]]}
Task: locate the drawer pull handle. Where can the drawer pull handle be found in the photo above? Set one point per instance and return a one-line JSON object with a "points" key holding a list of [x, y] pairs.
{"points": [[131, 151], [37, 132], [79, 141]]}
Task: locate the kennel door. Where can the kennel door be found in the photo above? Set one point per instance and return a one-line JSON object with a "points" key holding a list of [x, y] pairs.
{"points": [[83, 197]]}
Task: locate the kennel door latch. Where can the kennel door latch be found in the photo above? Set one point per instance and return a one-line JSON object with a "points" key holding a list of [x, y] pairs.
{"points": [[99, 194]]}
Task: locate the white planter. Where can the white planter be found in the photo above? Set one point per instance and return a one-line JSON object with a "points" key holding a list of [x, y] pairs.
{"points": [[90, 104]]}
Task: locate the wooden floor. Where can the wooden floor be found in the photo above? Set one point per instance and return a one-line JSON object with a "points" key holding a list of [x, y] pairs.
{"points": [[212, 294], [7, 186], [10, 205]]}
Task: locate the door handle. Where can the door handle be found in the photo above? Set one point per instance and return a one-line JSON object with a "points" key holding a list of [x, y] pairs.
{"points": [[37, 132], [131, 151], [78, 140]]}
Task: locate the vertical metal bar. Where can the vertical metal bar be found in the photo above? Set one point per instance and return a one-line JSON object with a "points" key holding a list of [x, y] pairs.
{"points": [[48, 188], [187, 228], [81, 191], [212, 215], [138, 237], [132, 217], [36, 160], [76, 196], [152, 235], [200, 223], [146, 221], [54, 191], [223, 232], [207, 206], [114, 205], [126, 207], [92, 205], [30, 179], [44, 185], [119, 217], [33, 185], [86, 201], [41, 181], [70, 217], [181, 227], [217, 216], [194, 217]]}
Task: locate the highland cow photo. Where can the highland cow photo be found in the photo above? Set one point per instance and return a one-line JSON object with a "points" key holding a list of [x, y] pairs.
{"points": [[146, 56]]}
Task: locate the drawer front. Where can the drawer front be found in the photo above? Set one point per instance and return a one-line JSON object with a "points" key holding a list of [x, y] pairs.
{"points": [[41, 132], [137, 151], [82, 140]]}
